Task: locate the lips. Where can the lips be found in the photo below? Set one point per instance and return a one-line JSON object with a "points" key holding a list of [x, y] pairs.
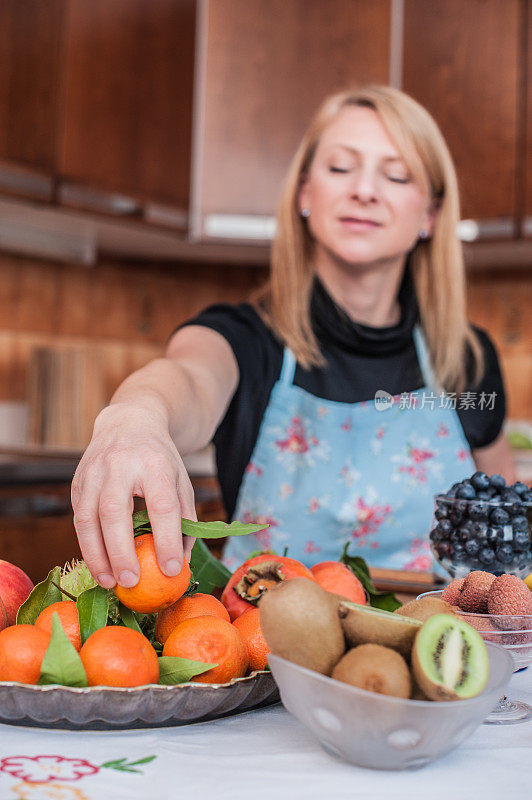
{"points": [[361, 221]]}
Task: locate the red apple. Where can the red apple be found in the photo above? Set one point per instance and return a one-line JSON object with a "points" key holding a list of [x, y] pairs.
{"points": [[15, 587]]}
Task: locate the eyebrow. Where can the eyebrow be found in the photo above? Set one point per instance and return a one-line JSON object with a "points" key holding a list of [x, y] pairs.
{"points": [[358, 152]]}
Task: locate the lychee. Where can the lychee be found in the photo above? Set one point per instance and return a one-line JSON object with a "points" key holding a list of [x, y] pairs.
{"points": [[451, 593], [474, 594], [509, 595], [484, 626]]}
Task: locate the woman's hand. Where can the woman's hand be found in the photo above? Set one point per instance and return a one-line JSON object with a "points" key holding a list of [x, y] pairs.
{"points": [[131, 454]]}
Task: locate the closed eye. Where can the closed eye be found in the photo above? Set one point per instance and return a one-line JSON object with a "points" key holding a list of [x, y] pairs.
{"points": [[337, 169]]}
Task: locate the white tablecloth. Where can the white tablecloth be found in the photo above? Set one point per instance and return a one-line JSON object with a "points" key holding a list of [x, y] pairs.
{"points": [[261, 755]]}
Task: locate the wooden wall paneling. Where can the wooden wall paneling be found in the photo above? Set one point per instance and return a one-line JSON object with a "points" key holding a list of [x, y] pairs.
{"points": [[527, 227], [30, 39], [461, 61], [36, 544], [268, 65], [517, 372], [126, 123]]}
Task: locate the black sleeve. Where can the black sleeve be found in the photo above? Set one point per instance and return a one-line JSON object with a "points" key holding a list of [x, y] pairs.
{"points": [[483, 421], [259, 358]]}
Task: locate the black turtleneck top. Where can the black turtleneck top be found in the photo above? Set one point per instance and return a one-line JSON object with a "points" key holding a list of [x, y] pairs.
{"points": [[360, 360]]}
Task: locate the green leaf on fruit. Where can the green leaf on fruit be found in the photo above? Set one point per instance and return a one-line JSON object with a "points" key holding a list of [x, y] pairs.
{"points": [[93, 610], [61, 663], [386, 601], [208, 572], [201, 530], [129, 618], [174, 670], [41, 596]]}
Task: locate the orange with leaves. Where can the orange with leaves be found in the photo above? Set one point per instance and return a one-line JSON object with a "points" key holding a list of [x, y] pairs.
{"points": [[248, 624], [197, 605], [255, 576], [68, 616], [338, 578], [119, 656], [155, 590], [22, 649], [213, 641]]}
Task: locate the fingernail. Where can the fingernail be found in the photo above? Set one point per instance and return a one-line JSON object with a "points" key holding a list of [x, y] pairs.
{"points": [[173, 567], [106, 580], [127, 579]]}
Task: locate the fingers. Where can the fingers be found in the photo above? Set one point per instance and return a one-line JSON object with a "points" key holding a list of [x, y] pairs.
{"points": [[164, 511], [89, 533], [115, 511]]}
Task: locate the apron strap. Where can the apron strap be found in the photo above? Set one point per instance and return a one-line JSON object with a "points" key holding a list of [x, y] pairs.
{"points": [[288, 369], [423, 358]]}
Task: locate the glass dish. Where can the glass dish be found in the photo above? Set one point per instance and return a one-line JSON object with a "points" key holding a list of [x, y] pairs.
{"points": [[380, 732], [154, 706], [514, 633], [487, 535]]}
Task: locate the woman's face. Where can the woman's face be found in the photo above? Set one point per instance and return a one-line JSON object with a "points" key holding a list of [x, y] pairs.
{"points": [[365, 207]]}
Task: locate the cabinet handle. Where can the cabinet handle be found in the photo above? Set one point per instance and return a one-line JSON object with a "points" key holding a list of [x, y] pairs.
{"points": [[84, 197], [471, 230], [25, 182]]}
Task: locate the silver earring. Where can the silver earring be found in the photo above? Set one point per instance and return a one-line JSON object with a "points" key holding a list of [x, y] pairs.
{"points": [[305, 213], [423, 234]]}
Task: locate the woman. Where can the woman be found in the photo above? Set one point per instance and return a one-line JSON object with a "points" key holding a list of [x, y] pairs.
{"points": [[326, 396]]}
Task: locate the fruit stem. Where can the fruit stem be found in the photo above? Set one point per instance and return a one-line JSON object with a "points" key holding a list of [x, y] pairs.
{"points": [[64, 591]]}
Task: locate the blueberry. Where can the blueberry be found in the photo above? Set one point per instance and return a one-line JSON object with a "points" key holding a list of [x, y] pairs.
{"points": [[444, 527], [434, 535], [441, 513], [443, 549], [478, 510], [455, 516], [526, 497], [452, 491], [480, 481], [520, 523], [457, 552], [484, 495], [497, 482], [495, 534], [486, 556], [499, 516], [466, 492], [479, 529], [521, 541], [471, 547], [505, 553], [465, 530], [519, 488]]}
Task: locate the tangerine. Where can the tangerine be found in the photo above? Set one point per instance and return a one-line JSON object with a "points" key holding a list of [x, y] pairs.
{"points": [[197, 605], [213, 641], [22, 649], [255, 576], [119, 656], [68, 616], [248, 624], [338, 578], [154, 590]]}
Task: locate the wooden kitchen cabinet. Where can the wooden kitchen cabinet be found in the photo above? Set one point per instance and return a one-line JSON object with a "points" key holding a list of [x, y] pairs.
{"points": [[264, 67], [30, 36], [527, 139], [126, 116], [463, 62]]}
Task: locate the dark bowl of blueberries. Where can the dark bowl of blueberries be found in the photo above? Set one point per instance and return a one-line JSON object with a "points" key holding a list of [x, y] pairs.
{"points": [[482, 523]]}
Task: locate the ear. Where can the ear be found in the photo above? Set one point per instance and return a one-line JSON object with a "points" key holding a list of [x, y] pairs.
{"points": [[431, 216]]}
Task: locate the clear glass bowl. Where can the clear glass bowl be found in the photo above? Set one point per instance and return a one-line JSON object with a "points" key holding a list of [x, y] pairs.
{"points": [[381, 732], [514, 633], [487, 535]]}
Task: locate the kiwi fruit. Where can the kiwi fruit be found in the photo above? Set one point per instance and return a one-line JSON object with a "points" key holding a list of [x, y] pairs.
{"points": [[367, 625], [449, 659], [300, 622], [376, 669], [424, 608]]}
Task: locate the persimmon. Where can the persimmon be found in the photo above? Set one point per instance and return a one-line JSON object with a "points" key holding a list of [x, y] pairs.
{"points": [[338, 578], [255, 576], [154, 590], [248, 624], [22, 649], [119, 656], [213, 641], [68, 616], [197, 605]]}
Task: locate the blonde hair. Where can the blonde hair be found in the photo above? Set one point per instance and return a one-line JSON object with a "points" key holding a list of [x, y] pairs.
{"points": [[437, 263]]}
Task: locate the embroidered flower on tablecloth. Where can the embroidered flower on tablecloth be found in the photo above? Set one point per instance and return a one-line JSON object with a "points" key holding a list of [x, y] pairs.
{"points": [[47, 791], [42, 769]]}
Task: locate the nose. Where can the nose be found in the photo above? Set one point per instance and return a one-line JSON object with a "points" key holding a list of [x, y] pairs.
{"points": [[364, 187]]}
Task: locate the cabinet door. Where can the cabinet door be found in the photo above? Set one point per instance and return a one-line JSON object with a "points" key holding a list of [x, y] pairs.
{"points": [[264, 67], [30, 34], [126, 121], [462, 61]]}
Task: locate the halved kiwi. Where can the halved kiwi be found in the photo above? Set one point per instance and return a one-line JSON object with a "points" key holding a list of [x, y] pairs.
{"points": [[367, 625], [449, 659]]}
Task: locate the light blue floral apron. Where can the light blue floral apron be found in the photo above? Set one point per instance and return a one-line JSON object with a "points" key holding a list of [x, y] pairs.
{"points": [[323, 473]]}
